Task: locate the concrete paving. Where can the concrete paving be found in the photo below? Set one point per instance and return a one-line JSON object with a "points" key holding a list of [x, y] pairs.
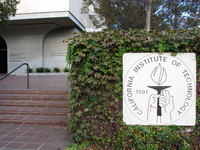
{"points": [[44, 82], [29, 137]]}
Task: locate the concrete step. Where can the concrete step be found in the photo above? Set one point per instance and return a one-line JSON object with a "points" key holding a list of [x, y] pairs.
{"points": [[33, 111], [34, 103], [33, 92], [32, 97], [33, 119], [33, 107]]}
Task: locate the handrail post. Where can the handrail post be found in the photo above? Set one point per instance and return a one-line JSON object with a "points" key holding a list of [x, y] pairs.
{"points": [[27, 76]]}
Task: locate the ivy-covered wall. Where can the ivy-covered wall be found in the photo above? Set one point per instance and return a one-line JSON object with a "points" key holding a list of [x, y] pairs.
{"points": [[96, 89]]}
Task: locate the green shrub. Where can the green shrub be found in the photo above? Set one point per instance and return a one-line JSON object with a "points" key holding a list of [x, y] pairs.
{"points": [[66, 69], [30, 70], [75, 146], [40, 70], [96, 96], [47, 70], [56, 69]]}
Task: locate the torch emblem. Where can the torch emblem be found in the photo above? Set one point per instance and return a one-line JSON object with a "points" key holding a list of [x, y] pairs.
{"points": [[161, 103]]}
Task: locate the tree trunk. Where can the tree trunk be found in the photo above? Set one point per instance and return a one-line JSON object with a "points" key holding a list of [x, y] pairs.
{"points": [[148, 15], [175, 23]]}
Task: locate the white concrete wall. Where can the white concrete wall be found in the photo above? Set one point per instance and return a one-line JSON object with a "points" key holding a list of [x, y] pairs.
{"points": [[75, 7], [37, 6], [25, 45], [55, 50], [37, 45], [41, 9]]}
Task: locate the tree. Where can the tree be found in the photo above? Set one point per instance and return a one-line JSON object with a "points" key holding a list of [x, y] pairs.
{"points": [[148, 15], [7, 9], [180, 14], [163, 14]]}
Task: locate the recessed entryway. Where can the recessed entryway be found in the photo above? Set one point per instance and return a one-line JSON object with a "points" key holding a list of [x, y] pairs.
{"points": [[3, 56]]}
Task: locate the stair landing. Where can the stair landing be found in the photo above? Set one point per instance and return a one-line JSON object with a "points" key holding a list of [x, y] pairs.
{"points": [[42, 82]]}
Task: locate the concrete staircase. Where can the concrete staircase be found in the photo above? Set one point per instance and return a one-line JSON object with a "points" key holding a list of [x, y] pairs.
{"points": [[36, 107]]}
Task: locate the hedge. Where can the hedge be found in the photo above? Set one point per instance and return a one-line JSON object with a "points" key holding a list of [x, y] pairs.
{"points": [[96, 89]]}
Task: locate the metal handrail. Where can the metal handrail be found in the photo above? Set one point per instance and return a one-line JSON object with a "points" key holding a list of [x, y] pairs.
{"points": [[15, 70]]}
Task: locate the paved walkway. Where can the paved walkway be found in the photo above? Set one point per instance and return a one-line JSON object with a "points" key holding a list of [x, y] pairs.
{"points": [[28, 137], [45, 82]]}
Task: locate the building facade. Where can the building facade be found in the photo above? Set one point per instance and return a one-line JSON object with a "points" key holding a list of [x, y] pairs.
{"points": [[35, 34]]}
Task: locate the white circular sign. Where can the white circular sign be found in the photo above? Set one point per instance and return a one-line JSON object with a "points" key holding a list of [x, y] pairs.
{"points": [[158, 89]]}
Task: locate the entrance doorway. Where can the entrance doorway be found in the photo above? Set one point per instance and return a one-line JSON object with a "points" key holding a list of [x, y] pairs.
{"points": [[3, 56]]}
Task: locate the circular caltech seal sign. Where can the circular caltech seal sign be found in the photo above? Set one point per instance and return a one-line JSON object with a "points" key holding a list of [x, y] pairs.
{"points": [[159, 89]]}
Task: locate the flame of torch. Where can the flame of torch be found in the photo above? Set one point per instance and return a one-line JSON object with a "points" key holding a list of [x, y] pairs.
{"points": [[159, 76]]}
